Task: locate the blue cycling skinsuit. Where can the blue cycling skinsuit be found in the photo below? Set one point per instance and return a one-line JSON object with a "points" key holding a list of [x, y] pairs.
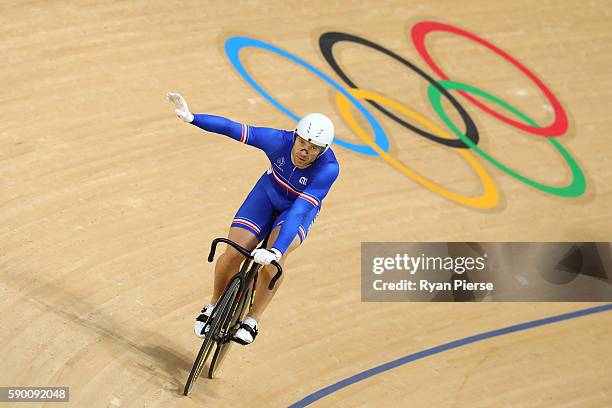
{"points": [[294, 193]]}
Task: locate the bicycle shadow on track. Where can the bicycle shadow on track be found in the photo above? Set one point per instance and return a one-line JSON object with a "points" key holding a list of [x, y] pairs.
{"points": [[159, 359]]}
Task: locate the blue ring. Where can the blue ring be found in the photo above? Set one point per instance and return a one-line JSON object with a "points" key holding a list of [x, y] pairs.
{"points": [[234, 44]]}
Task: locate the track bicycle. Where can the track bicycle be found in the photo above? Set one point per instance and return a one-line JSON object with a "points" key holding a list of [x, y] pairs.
{"points": [[229, 312]]}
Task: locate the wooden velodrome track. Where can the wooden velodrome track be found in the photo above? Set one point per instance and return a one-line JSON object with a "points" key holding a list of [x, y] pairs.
{"points": [[108, 202]]}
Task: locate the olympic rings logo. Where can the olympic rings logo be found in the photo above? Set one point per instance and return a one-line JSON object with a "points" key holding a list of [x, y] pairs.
{"points": [[466, 141]]}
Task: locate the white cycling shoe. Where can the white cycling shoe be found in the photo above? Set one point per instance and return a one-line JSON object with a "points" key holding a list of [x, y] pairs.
{"points": [[200, 327], [247, 331]]}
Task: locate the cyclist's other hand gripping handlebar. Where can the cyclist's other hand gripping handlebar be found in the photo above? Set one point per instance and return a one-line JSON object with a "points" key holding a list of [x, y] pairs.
{"points": [[265, 256]]}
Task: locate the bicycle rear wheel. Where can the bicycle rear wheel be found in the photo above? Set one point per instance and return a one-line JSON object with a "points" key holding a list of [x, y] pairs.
{"points": [[219, 316]]}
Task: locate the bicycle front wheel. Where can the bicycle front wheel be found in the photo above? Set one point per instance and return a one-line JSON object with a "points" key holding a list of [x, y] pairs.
{"points": [[218, 317], [230, 326]]}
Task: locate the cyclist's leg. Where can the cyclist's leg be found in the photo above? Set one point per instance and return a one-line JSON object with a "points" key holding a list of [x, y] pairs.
{"points": [[248, 228], [264, 295], [229, 262], [227, 265]]}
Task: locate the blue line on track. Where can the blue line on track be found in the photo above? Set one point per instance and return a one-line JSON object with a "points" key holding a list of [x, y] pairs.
{"points": [[323, 392]]}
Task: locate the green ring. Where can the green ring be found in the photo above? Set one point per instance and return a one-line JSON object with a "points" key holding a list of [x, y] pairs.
{"points": [[574, 189]]}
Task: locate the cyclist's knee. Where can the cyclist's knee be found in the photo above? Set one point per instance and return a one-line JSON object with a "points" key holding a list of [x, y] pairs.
{"points": [[232, 258]]}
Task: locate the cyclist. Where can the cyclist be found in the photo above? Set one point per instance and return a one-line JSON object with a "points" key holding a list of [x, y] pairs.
{"points": [[302, 169]]}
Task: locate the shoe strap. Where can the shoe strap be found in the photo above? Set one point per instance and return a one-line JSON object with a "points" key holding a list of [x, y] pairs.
{"points": [[252, 330]]}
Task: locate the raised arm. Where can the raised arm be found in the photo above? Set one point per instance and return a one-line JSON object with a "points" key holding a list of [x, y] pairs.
{"points": [[221, 125], [266, 139]]}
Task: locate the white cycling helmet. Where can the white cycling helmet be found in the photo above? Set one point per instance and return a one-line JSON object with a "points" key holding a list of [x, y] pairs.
{"points": [[317, 128]]}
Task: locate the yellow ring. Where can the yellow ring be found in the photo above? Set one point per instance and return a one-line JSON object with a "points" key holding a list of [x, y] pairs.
{"points": [[490, 196]]}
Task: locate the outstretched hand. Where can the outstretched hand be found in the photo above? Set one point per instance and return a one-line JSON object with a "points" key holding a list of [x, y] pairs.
{"points": [[180, 106]]}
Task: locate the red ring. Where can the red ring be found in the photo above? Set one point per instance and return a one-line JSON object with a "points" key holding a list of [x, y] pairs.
{"points": [[557, 128]]}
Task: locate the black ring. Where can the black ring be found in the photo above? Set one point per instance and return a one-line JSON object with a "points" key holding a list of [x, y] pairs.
{"points": [[329, 39]]}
